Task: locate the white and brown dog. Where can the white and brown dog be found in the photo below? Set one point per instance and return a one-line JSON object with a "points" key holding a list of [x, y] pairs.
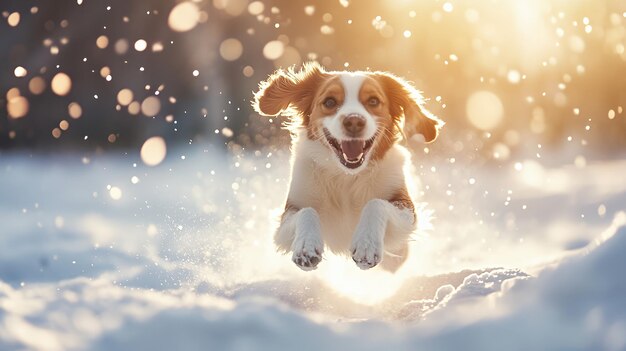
{"points": [[348, 187]]}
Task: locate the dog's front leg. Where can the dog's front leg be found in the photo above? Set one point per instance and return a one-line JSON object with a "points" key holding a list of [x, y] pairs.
{"points": [[368, 240], [300, 232]]}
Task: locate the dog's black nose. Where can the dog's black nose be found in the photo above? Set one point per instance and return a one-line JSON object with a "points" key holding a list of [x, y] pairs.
{"points": [[354, 125]]}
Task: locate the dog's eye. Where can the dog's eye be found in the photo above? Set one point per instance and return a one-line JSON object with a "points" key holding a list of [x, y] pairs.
{"points": [[373, 101], [330, 103]]}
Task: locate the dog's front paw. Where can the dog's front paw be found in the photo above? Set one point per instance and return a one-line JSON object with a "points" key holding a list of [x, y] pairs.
{"points": [[308, 254], [367, 250]]}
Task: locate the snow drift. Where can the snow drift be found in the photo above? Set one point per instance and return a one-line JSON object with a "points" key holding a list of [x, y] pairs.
{"points": [[191, 266]]}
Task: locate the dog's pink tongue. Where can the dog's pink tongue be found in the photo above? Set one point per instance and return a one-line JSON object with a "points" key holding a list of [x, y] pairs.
{"points": [[353, 149]]}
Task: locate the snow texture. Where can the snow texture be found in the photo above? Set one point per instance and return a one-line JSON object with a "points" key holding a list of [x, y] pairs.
{"points": [[184, 260]]}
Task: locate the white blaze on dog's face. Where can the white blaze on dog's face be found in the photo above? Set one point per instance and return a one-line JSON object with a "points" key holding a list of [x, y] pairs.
{"points": [[356, 115], [348, 111]]}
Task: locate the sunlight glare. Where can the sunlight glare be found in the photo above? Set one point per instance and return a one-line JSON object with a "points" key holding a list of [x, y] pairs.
{"points": [[484, 110], [363, 286]]}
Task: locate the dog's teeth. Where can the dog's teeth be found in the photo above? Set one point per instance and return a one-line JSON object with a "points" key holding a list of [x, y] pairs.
{"points": [[358, 159]]}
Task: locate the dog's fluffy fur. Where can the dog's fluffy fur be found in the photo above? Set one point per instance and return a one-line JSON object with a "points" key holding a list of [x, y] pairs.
{"points": [[348, 186]]}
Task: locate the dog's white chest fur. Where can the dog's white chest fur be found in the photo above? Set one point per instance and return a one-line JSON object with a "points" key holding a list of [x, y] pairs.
{"points": [[337, 196]]}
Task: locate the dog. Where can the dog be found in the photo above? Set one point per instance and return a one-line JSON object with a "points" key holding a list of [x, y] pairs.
{"points": [[348, 189]]}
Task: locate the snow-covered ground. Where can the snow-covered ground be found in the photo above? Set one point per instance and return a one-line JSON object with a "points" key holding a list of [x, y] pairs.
{"points": [[104, 253]]}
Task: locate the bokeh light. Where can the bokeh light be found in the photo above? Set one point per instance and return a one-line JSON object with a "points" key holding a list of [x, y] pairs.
{"points": [[125, 97], [64, 125], [256, 8], [273, 49], [17, 107], [153, 151], [20, 71], [102, 42], [134, 108], [37, 85], [151, 106], [74, 110], [14, 19], [248, 71], [141, 45], [231, 49], [121, 46], [105, 71], [484, 110], [231, 7], [13, 92], [61, 84], [183, 17], [115, 193]]}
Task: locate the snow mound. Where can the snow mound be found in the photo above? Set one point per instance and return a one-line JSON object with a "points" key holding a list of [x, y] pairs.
{"points": [[577, 304]]}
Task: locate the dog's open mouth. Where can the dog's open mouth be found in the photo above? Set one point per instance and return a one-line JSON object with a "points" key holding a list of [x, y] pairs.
{"points": [[351, 152]]}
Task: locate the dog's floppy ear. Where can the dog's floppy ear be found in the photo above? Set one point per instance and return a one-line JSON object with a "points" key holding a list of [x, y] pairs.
{"points": [[406, 101], [289, 92]]}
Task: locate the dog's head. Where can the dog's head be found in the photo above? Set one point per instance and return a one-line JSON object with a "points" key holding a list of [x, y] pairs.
{"points": [[358, 116]]}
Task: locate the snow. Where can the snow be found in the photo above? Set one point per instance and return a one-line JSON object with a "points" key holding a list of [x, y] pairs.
{"points": [[123, 235], [181, 258]]}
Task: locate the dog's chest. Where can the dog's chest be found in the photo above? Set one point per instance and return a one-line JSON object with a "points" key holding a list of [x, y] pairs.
{"points": [[339, 198], [339, 204]]}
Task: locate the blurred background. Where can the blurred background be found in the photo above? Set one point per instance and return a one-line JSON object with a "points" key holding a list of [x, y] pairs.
{"points": [[508, 77]]}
